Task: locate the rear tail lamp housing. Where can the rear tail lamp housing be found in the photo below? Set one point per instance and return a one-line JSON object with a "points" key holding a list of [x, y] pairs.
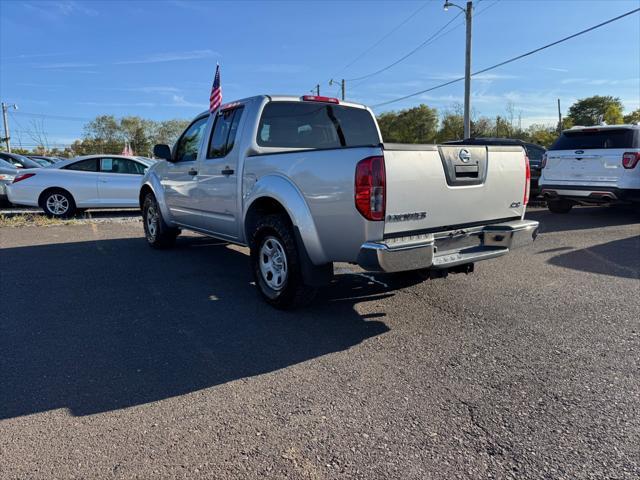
{"points": [[630, 160], [370, 188], [544, 160], [527, 181], [23, 176]]}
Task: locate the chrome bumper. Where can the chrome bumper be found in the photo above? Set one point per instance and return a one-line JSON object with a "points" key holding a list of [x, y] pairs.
{"points": [[447, 249]]}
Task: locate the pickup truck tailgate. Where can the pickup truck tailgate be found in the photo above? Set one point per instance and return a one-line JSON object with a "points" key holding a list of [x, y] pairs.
{"points": [[436, 188]]}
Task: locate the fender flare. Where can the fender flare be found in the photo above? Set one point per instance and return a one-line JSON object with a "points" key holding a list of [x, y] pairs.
{"points": [[153, 182], [289, 196]]}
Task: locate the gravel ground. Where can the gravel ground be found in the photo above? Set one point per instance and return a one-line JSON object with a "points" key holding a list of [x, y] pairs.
{"points": [[118, 361]]}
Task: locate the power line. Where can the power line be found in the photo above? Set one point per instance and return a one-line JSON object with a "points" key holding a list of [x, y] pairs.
{"points": [[395, 29], [513, 59], [439, 34], [426, 42], [58, 117]]}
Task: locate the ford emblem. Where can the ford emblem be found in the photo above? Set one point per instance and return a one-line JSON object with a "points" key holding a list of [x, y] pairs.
{"points": [[464, 155], [579, 152]]}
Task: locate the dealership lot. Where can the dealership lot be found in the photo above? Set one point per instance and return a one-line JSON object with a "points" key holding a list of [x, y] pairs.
{"points": [[119, 361]]}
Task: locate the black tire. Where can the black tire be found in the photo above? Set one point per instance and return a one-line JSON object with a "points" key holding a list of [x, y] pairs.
{"points": [[156, 231], [276, 231], [57, 203], [559, 206]]}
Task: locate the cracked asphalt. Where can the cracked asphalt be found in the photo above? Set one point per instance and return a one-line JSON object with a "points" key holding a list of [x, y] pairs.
{"points": [[118, 361]]}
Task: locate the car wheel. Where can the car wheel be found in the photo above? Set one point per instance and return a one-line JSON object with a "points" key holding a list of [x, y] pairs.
{"points": [[559, 206], [156, 231], [58, 203], [275, 264]]}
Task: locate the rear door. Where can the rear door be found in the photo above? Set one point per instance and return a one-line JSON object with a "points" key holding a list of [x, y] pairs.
{"points": [[217, 179], [591, 156], [119, 181], [433, 188]]}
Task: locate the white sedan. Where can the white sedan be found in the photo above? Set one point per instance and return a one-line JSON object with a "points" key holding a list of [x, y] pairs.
{"points": [[94, 181]]}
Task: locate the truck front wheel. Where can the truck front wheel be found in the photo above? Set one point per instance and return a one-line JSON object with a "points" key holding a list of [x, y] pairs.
{"points": [[275, 264], [156, 231]]}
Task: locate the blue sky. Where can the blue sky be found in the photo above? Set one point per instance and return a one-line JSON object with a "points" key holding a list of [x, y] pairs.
{"points": [[64, 62]]}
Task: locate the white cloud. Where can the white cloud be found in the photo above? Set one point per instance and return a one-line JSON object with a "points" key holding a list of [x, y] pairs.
{"points": [[171, 57]]}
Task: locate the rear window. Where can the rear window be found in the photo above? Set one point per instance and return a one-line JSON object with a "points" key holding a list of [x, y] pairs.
{"points": [[607, 138], [315, 125]]}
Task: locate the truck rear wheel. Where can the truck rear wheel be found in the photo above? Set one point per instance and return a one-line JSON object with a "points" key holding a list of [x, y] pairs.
{"points": [[275, 264], [156, 231], [560, 206]]}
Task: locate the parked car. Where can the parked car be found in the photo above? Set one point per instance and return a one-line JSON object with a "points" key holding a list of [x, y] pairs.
{"points": [[534, 153], [7, 173], [592, 166], [306, 181], [19, 161], [48, 160], [94, 181]]}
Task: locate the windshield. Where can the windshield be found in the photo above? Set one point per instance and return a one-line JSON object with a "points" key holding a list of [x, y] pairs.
{"points": [[594, 138]]}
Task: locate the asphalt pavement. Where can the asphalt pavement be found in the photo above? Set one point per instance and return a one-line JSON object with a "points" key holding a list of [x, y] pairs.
{"points": [[119, 361]]}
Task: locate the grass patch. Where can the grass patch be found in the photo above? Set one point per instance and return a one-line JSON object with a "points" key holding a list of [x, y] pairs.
{"points": [[32, 220]]}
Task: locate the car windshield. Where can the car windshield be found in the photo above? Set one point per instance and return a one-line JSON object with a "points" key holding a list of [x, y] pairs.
{"points": [[597, 138]]}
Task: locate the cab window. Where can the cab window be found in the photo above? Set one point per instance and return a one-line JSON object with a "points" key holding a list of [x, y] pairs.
{"points": [[224, 132], [189, 143]]}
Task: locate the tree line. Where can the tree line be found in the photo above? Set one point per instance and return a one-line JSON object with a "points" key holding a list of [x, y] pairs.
{"points": [[421, 124]]}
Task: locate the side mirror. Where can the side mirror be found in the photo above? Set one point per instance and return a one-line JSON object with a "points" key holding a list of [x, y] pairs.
{"points": [[162, 151]]}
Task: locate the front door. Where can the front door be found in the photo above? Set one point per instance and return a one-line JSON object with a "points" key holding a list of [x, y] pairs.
{"points": [[179, 178], [218, 176]]}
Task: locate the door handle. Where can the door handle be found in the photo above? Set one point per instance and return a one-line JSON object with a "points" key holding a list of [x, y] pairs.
{"points": [[192, 172], [227, 171]]}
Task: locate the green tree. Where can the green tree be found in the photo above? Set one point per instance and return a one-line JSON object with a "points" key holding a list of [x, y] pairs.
{"points": [[541, 135], [587, 111], [168, 131], [633, 117], [414, 125]]}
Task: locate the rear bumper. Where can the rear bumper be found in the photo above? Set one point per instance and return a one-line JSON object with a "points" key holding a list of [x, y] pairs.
{"points": [[590, 195], [445, 250]]}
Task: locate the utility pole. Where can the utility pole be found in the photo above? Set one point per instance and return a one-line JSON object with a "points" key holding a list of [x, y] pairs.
{"points": [[468, 12], [559, 118], [318, 90], [342, 86], [7, 138]]}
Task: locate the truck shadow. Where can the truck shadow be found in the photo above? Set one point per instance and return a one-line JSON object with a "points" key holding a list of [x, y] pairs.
{"points": [[620, 258], [582, 218], [104, 325]]}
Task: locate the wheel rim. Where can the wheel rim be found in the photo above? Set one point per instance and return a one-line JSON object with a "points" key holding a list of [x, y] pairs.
{"points": [[152, 221], [58, 204], [273, 263]]}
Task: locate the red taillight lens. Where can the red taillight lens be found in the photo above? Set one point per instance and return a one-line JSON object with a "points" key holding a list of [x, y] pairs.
{"points": [[527, 182], [316, 98], [370, 191], [544, 160], [630, 159], [23, 176]]}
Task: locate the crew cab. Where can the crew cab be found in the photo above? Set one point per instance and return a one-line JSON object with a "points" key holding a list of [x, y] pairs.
{"points": [[307, 181], [592, 166]]}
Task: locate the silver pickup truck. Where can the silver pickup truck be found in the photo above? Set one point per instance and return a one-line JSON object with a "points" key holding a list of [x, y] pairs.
{"points": [[307, 181]]}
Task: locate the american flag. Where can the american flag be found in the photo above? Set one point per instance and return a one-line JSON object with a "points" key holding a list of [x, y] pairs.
{"points": [[216, 92]]}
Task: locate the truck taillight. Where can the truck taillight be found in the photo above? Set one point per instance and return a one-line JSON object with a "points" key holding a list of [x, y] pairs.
{"points": [[527, 181], [544, 160], [23, 176], [370, 189], [630, 159]]}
